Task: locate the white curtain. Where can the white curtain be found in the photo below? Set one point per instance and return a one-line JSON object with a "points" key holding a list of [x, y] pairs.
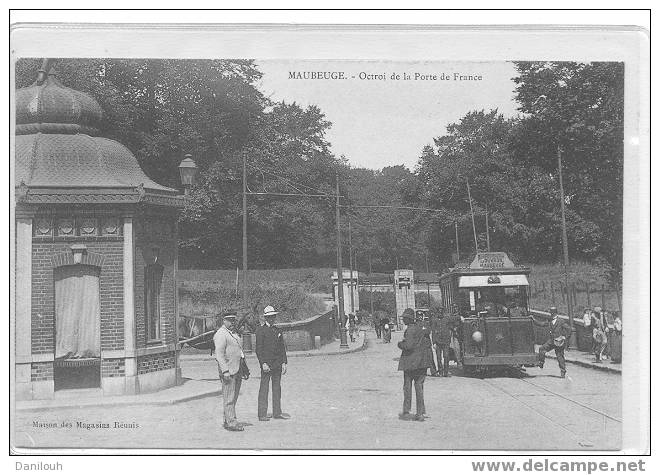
{"points": [[77, 312]]}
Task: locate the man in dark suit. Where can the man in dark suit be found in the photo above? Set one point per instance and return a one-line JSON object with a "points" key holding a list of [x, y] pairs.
{"points": [[271, 354], [443, 326], [416, 358], [560, 333]]}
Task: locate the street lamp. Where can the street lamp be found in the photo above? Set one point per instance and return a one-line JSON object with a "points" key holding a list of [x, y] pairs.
{"points": [[187, 170]]}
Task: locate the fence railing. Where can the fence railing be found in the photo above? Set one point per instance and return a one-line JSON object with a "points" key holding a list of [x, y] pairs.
{"points": [[581, 294]]}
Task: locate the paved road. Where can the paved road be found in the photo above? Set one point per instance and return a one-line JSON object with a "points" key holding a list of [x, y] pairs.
{"points": [[352, 402]]}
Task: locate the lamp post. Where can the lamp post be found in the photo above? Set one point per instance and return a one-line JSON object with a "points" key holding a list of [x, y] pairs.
{"points": [[188, 171]]}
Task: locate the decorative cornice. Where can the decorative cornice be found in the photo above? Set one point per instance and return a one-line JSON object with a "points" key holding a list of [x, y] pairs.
{"points": [[26, 195]]}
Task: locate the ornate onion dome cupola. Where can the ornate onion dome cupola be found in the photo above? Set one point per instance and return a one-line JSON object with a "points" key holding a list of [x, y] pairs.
{"points": [[60, 157]]}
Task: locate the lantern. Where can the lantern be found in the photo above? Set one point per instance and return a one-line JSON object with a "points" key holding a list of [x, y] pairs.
{"points": [[188, 171]]}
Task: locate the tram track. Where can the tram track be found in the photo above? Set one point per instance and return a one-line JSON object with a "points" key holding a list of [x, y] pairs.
{"points": [[572, 401], [580, 438]]}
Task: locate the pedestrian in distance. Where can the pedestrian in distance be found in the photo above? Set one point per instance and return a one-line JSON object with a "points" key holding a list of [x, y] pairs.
{"points": [[351, 326], [377, 325], [598, 335], [387, 329], [271, 353], [560, 333], [415, 360], [616, 337], [228, 353]]}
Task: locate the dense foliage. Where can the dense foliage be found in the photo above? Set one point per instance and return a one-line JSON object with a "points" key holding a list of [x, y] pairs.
{"points": [[162, 109]]}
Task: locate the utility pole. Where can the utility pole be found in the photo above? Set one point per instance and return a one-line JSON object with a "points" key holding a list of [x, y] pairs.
{"points": [[474, 228], [357, 275], [371, 289], [245, 261], [426, 259], [350, 263], [487, 231], [564, 236], [340, 280]]}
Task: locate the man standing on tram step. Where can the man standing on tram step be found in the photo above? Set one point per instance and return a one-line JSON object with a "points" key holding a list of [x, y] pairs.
{"points": [[416, 358], [442, 330], [560, 333], [271, 354], [228, 353]]}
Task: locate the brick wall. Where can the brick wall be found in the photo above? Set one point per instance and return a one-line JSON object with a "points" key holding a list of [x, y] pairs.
{"points": [[105, 253], [113, 367], [42, 371], [157, 362]]}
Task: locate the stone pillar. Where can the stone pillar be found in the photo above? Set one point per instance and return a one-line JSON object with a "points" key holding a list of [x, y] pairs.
{"points": [[130, 363], [23, 314], [348, 288]]}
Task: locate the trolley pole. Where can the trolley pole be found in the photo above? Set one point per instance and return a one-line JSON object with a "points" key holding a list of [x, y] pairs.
{"points": [[487, 231], [245, 261], [474, 227], [340, 280], [458, 251], [564, 236]]}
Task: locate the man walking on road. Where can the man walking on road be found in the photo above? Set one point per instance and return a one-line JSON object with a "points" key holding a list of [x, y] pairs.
{"points": [[271, 354], [560, 333], [415, 359], [228, 353]]}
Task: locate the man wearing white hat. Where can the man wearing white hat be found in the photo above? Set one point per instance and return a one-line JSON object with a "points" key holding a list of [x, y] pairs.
{"points": [[271, 353]]}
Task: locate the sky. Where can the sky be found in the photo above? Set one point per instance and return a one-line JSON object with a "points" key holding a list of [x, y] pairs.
{"points": [[378, 123]]}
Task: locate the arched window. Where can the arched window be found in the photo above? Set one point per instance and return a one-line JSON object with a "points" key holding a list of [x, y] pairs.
{"points": [[153, 279]]}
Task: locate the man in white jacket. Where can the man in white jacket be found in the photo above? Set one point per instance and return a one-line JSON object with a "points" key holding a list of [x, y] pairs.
{"points": [[228, 353]]}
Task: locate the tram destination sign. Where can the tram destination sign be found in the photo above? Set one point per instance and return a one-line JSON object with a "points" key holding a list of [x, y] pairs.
{"points": [[491, 260]]}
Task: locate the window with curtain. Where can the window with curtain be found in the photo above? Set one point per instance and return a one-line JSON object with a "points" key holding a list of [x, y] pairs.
{"points": [[153, 278], [77, 312]]}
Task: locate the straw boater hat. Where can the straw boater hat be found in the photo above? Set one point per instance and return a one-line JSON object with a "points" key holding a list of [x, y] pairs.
{"points": [[270, 311], [229, 315]]}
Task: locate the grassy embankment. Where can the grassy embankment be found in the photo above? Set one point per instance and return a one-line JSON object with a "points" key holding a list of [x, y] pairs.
{"points": [[295, 291]]}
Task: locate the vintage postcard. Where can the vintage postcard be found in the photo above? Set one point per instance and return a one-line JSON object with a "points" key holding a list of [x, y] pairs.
{"points": [[229, 239]]}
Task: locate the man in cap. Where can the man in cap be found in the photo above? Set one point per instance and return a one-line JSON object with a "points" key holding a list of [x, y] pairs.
{"points": [[560, 333], [271, 354], [228, 353], [416, 358]]}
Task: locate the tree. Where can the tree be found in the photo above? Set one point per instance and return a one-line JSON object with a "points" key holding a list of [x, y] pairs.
{"points": [[578, 108]]}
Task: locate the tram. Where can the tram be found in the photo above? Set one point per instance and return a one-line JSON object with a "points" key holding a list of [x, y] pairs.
{"points": [[491, 294]]}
